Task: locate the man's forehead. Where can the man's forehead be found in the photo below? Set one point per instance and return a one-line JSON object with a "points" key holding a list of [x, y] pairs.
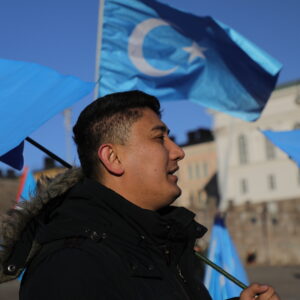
{"points": [[150, 123], [152, 120]]}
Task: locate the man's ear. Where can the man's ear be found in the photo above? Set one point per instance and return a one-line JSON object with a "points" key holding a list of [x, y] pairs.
{"points": [[108, 156]]}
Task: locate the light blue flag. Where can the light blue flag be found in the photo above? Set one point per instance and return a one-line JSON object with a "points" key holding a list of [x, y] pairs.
{"points": [[287, 141], [29, 187], [174, 55], [30, 94], [223, 253]]}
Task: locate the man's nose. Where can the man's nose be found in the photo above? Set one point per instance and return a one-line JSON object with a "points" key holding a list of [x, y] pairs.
{"points": [[176, 152]]}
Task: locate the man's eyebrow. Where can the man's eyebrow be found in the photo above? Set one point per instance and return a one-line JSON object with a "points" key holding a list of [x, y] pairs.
{"points": [[162, 128]]}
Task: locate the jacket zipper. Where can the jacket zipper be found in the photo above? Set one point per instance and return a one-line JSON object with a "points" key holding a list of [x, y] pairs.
{"points": [[180, 274], [179, 278], [181, 281]]}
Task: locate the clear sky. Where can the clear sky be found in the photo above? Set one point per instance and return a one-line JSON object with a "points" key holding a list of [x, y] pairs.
{"points": [[61, 34]]}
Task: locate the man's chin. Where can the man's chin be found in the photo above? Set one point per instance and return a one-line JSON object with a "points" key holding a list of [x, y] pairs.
{"points": [[177, 194]]}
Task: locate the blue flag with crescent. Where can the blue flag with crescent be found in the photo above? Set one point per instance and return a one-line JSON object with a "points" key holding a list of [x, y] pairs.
{"points": [[174, 55], [223, 253], [288, 141]]}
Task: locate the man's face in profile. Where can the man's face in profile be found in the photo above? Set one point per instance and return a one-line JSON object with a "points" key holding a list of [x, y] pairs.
{"points": [[150, 159]]}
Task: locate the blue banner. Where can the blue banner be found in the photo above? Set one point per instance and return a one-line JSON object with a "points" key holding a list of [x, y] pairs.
{"points": [[30, 94], [287, 141], [223, 253], [174, 55]]}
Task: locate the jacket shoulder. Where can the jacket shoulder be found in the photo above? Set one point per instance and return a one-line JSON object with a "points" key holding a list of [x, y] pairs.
{"points": [[78, 270]]}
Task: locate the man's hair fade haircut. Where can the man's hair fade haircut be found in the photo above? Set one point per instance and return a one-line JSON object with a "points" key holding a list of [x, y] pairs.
{"points": [[108, 120]]}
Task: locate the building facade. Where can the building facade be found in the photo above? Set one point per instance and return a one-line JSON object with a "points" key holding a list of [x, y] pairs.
{"points": [[197, 178], [250, 168], [195, 172], [259, 184]]}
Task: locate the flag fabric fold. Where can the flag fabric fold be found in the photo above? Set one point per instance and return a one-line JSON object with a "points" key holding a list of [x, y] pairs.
{"points": [[14, 158], [174, 55], [30, 94], [287, 141], [223, 253]]}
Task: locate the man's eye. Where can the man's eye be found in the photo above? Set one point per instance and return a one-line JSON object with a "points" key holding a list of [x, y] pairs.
{"points": [[162, 137]]}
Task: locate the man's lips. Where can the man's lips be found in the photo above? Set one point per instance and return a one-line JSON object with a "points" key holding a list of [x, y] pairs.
{"points": [[172, 175], [172, 171]]}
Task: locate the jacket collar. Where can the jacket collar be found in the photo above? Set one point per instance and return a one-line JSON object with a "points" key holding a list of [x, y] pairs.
{"points": [[170, 223], [170, 229]]}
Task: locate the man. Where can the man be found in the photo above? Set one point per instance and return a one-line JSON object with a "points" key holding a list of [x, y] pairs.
{"points": [[110, 232]]}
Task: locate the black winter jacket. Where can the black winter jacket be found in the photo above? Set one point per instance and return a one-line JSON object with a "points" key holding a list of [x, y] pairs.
{"points": [[97, 245], [79, 240]]}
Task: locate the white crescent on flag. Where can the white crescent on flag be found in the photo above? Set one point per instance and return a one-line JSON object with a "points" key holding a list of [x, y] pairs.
{"points": [[135, 47]]}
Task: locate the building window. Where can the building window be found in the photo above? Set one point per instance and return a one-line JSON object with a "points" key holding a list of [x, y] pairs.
{"points": [[270, 150], [271, 182], [244, 186], [191, 198], [242, 145], [202, 196], [197, 170], [190, 167], [205, 170]]}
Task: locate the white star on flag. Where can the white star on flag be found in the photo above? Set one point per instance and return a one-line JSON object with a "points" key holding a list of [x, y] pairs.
{"points": [[195, 51]]}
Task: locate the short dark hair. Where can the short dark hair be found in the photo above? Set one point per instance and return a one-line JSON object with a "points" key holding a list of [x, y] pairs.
{"points": [[108, 120]]}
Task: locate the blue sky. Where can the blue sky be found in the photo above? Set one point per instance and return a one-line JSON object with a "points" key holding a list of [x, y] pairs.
{"points": [[61, 34]]}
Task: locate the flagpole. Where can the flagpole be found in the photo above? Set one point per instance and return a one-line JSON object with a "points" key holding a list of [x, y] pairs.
{"points": [[99, 46], [48, 152], [220, 270]]}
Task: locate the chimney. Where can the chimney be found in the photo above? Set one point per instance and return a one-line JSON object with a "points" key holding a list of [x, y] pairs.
{"points": [[199, 136]]}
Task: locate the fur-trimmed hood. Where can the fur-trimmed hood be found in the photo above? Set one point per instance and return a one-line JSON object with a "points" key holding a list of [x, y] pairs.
{"points": [[17, 227]]}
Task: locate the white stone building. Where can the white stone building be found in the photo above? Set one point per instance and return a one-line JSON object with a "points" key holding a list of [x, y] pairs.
{"points": [[196, 170], [250, 168]]}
